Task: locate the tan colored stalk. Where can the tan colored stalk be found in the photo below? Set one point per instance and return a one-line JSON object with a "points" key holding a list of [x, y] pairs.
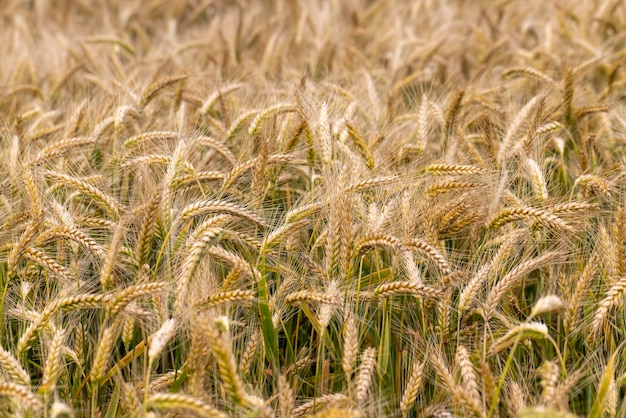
{"points": [[59, 147], [71, 233], [308, 296], [259, 120], [532, 73], [249, 352], [325, 134], [277, 235], [67, 304], [372, 183], [573, 207], [469, 293], [549, 380], [43, 260], [537, 179], [108, 266], [139, 139]]}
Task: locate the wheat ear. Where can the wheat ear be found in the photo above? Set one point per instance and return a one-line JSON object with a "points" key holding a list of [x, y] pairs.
{"points": [[124, 297], [223, 298], [53, 363], [112, 208], [605, 305], [350, 344], [176, 402], [20, 395], [320, 401], [103, 352], [364, 377], [582, 285], [217, 334], [530, 330], [468, 373], [511, 278], [286, 398], [410, 287], [200, 240], [412, 388], [66, 304], [213, 206], [535, 216], [457, 392], [431, 252], [153, 89], [13, 368]]}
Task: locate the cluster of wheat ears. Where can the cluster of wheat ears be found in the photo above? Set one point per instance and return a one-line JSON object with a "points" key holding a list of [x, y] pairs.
{"points": [[312, 208]]}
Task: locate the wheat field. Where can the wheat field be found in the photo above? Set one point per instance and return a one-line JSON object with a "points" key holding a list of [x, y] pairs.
{"points": [[290, 208]]}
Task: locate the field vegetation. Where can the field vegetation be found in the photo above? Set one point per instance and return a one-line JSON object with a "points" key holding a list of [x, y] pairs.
{"points": [[289, 208]]}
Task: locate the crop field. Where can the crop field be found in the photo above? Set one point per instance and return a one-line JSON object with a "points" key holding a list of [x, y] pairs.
{"points": [[292, 208]]}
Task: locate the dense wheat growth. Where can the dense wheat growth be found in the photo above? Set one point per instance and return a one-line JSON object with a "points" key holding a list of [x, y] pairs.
{"points": [[289, 208]]}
